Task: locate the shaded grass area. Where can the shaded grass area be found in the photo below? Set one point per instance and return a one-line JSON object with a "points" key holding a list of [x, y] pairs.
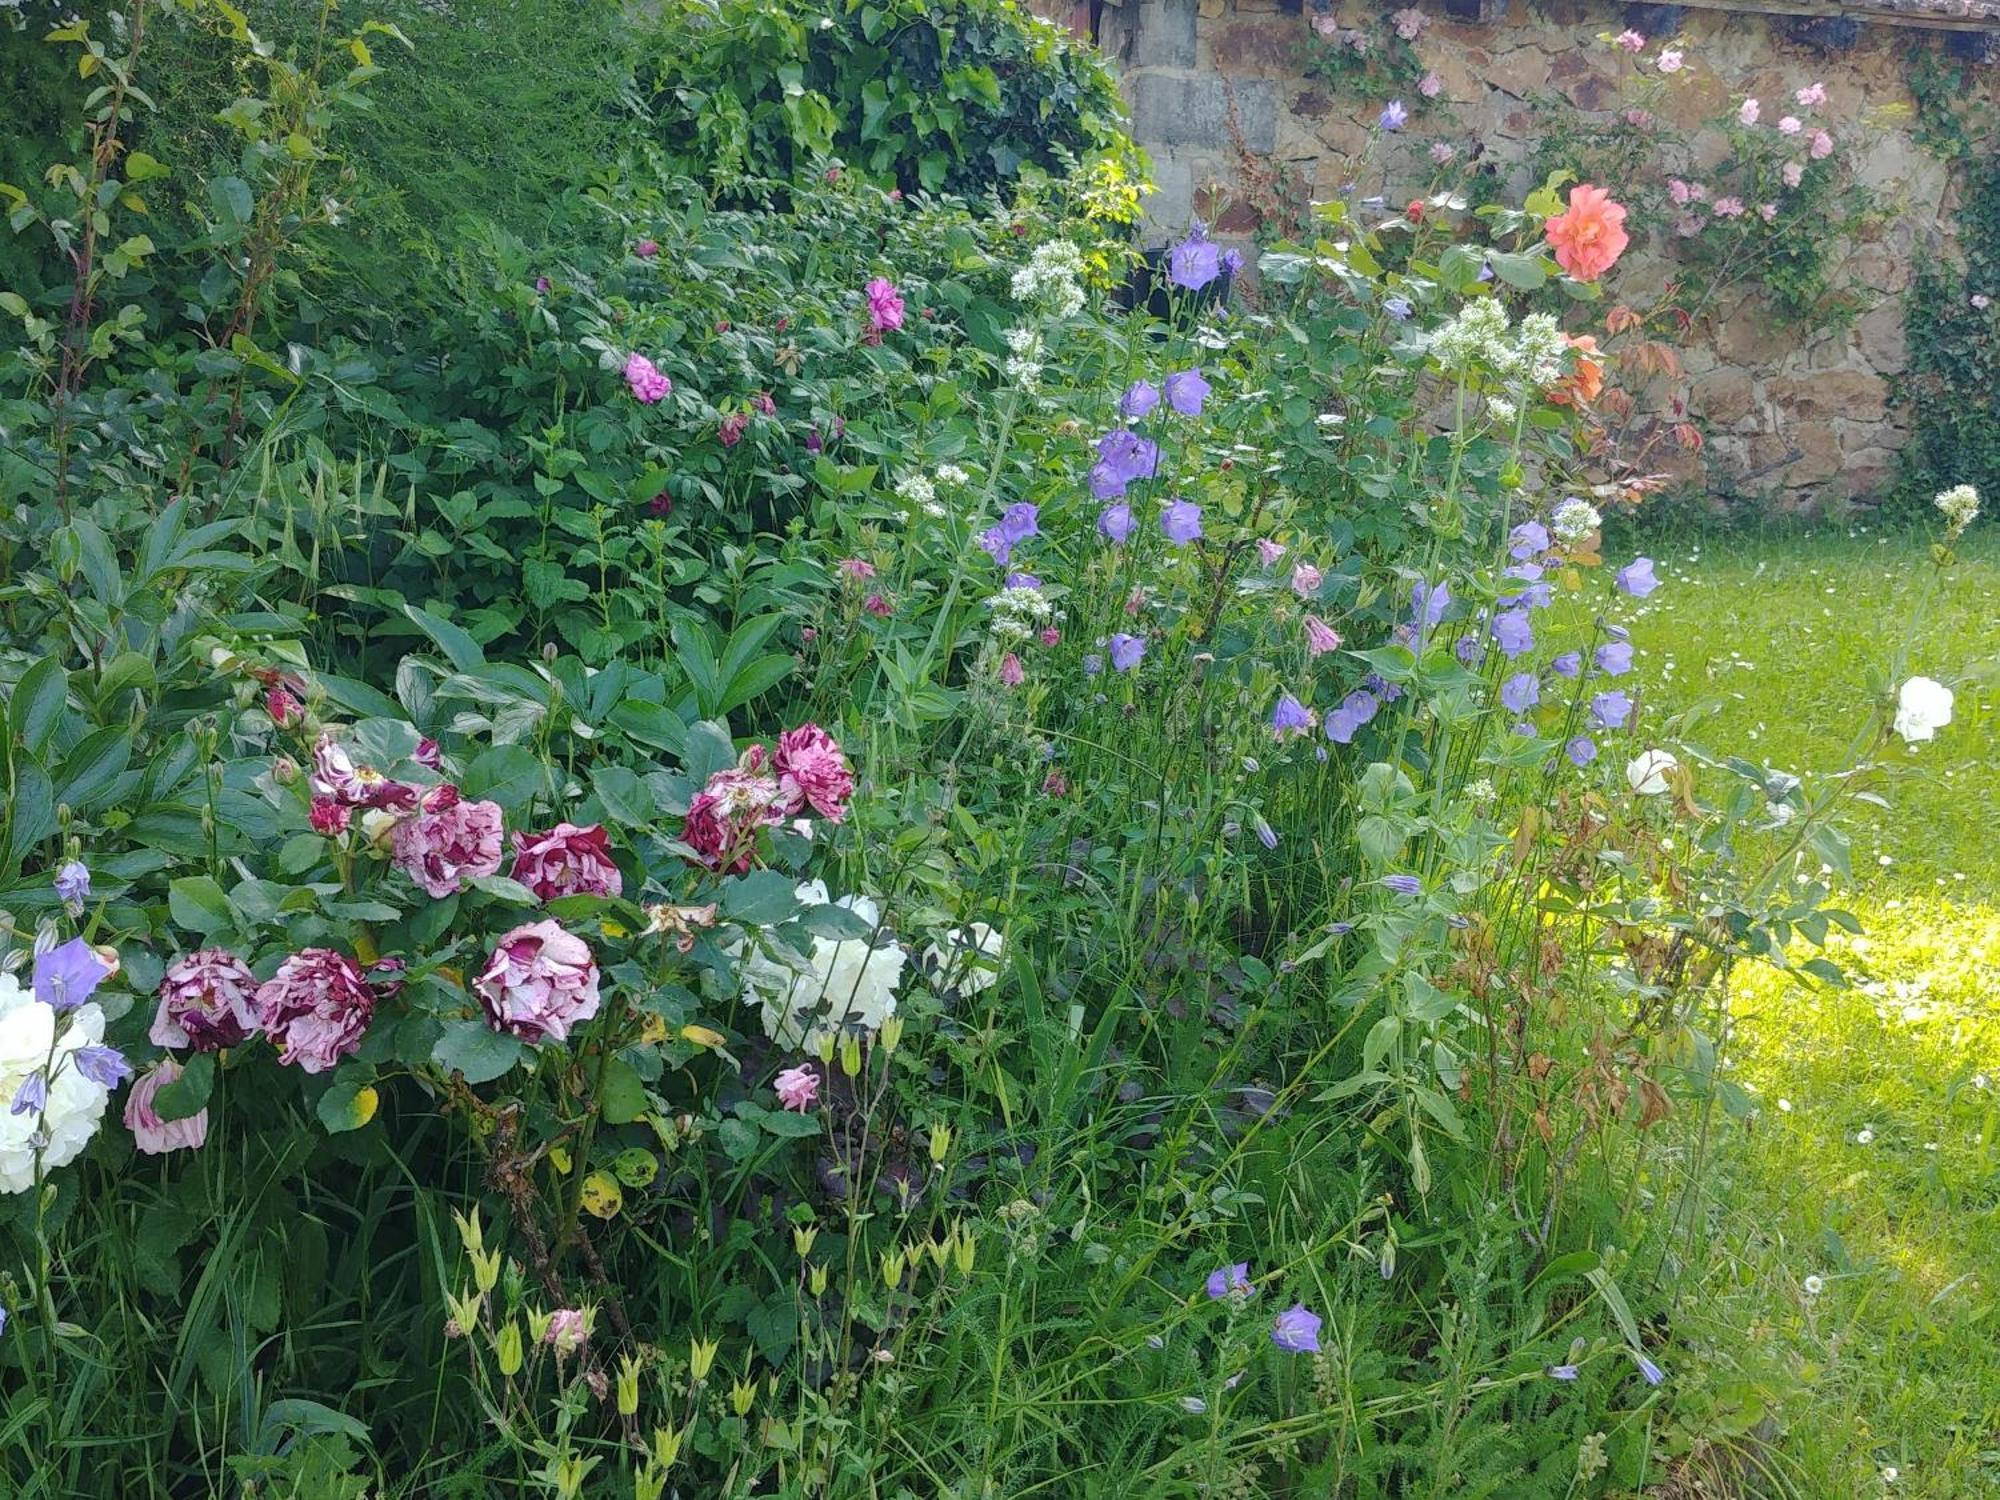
{"points": [[1873, 1162]]}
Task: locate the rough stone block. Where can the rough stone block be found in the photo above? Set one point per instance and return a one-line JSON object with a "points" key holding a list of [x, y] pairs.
{"points": [[1163, 34], [1170, 110]]}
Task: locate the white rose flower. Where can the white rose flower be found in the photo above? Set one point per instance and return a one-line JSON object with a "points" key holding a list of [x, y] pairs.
{"points": [[75, 1104], [1923, 707], [968, 960], [841, 983], [1651, 773]]}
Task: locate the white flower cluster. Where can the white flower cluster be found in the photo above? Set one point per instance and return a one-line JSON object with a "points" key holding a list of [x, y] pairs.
{"points": [[952, 474], [1574, 520], [1024, 365], [1960, 506], [30, 1044], [1503, 410], [917, 490], [1052, 278], [1540, 349], [1018, 614], [841, 984], [1478, 335]]}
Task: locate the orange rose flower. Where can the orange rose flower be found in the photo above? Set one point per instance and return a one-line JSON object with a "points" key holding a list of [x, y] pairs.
{"points": [[1585, 383], [1590, 237]]}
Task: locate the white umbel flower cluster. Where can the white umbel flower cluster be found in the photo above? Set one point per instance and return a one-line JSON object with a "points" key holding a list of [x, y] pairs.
{"points": [[1052, 279], [1959, 506], [1574, 520], [1024, 364], [842, 984], [1477, 336], [1019, 613], [35, 1039]]}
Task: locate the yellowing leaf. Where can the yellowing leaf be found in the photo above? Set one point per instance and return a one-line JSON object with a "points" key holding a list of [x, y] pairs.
{"points": [[602, 1196], [615, 930], [560, 1159], [652, 1028], [701, 1036]]}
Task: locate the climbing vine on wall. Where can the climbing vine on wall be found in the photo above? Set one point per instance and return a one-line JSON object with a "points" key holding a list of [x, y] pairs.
{"points": [[1952, 316]]}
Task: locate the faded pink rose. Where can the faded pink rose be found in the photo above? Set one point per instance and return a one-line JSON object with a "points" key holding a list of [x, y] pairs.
{"points": [[1442, 152], [1630, 40], [732, 427], [447, 841], [649, 385], [1430, 85], [1811, 96], [812, 772], [568, 860], [763, 402], [1768, 212], [1790, 125], [1794, 173], [1748, 111], [797, 1088], [540, 982], [1326, 24], [1306, 580], [1821, 146], [315, 1008], [206, 1001], [885, 309], [151, 1134], [1672, 60], [1410, 23], [723, 819], [1729, 208]]}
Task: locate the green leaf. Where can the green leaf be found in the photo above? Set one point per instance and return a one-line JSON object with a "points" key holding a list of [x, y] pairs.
{"points": [[92, 767], [836, 923], [36, 706], [762, 898], [197, 903], [460, 649], [476, 1050], [348, 1105], [188, 1094], [624, 796], [623, 1098]]}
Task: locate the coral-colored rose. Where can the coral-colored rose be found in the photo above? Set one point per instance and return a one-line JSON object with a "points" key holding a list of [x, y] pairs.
{"points": [[206, 1002], [151, 1134], [1585, 383], [315, 1008], [1590, 236], [540, 982], [567, 861], [447, 840], [813, 772], [723, 818]]}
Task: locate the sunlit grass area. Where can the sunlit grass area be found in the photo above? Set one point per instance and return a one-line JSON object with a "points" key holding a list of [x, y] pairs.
{"points": [[1849, 1315]]}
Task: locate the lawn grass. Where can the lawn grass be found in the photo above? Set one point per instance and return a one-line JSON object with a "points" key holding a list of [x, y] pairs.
{"points": [[1873, 1162]]}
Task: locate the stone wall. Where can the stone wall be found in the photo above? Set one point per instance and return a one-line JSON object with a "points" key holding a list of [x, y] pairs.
{"points": [[1801, 418]]}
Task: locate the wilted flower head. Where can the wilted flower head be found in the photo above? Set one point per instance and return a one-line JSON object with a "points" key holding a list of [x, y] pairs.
{"points": [[152, 1135], [1306, 579], [723, 819], [568, 860], [1959, 506], [540, 983], [207, 1001], [72, 879], [315, 1008]]}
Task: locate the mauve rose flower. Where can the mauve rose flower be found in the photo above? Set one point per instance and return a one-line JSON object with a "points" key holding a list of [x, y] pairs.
{"points": [[329, 817], [568, 860], [206, 1002], [540, 982], [448, 840], [812, 772], [315, 1008], [152, 1135]]}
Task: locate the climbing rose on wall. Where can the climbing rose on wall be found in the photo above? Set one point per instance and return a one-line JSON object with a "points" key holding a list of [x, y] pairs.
{"points": [[1590, 236]]}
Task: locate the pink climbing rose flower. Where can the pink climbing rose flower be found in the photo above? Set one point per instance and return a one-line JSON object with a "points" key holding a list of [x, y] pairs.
{"points": [[315, 1008], [648, 384], [1794, 173], [205, 1002], [540, 982], [885, 309], [448, 841], [1630, 40], [1821, 146], [1811, 96], [151, 1134], [1748, 111], [797, 1088], [568, 860]]}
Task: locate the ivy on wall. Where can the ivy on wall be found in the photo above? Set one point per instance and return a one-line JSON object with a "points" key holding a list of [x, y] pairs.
{"points": [[1952, 313]]}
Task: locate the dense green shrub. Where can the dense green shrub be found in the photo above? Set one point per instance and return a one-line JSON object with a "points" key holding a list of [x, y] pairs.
{"points": [[958, 97]]}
